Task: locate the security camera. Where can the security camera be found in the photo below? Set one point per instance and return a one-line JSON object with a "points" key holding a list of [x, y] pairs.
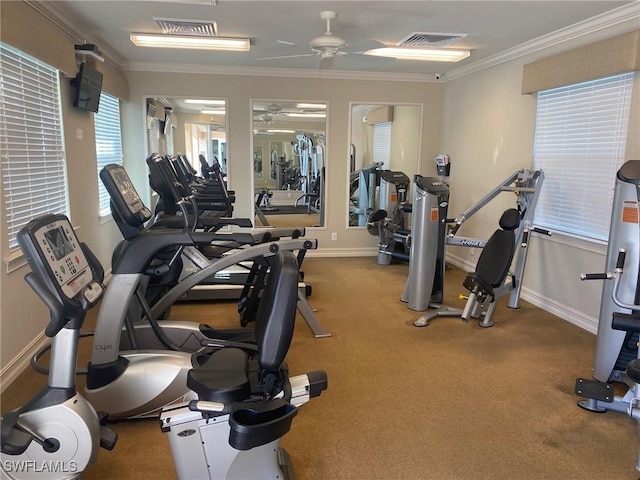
{"points": [[438, 76]]}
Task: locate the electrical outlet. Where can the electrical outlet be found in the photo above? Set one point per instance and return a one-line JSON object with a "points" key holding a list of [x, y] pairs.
{"points": [[334, 236]]}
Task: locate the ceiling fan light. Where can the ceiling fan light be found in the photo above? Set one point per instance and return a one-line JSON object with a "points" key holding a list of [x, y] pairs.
{"points": [[205, 102], [424, 54], [306, 115], [319, 106], [191, 42]]}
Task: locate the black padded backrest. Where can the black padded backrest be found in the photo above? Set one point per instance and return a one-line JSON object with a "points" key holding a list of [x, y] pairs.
{"points": [[276, 314], [495, 259], [204, 166], [510, 219]]}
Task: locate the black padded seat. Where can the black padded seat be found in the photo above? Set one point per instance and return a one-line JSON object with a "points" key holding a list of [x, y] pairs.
{"points": [[494, 261], [633, 370], [226, 376], [222, 378]]}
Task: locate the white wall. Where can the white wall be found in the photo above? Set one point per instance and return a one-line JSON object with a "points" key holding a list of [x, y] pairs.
{"points": [[488, 129]]}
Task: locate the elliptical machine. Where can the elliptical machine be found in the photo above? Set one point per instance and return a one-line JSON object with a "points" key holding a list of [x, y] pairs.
{"points": [[56, 435], [616, 355]]}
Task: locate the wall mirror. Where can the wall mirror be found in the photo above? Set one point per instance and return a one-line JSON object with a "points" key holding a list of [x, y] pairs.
{"points": [[289, 161], [383, 137], [193, 127]]}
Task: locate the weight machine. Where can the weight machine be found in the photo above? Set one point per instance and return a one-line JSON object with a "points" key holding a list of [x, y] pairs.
{"points": [[425, 283], [616, 355], [311, 157]]}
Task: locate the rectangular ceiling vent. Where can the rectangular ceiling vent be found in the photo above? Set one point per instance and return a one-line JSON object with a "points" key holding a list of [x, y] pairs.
{"points": [[425, 39], [176, 26]]}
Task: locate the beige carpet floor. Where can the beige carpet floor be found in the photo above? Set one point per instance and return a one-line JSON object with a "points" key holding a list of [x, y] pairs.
{"points": [[447, 401]]}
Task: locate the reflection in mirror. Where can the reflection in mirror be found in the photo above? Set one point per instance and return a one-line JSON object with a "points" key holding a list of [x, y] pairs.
{"points": [[384, 154], [194, 128], [289, 163]]}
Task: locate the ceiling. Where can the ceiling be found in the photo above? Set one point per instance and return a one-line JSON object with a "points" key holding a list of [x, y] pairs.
{"points": [[491, 27]]}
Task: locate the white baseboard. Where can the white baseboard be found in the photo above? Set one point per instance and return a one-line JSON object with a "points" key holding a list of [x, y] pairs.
{"points": [[343, 252], [16, 366], [569, 314]]}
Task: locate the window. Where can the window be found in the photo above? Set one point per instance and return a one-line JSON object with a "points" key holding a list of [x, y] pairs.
{"points": [[382, 144], [580, 141], [108, 142], [168, 138], [31, 141], [153, 136]]}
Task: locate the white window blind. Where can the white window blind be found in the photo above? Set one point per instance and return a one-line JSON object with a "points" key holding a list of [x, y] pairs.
{"points": [[108, 142], [169, 141], [382, 144], [31, 140], [580, 141], [153, 136]]}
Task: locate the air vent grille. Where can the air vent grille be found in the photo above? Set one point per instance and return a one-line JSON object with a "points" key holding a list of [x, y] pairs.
{"points": [[174, 26], [426, 39]]}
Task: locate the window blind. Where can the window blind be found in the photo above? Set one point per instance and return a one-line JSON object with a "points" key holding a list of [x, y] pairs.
{"points": [[382, 144], [580, 141], [108, 142], [153, 136], [31, 142], [169, 141]]}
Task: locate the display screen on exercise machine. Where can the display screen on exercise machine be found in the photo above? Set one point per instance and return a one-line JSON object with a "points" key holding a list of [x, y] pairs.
{"points": [[59, 243]]}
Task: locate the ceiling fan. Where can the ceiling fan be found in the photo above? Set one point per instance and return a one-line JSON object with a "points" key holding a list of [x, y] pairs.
{"points": [[329, 46]]}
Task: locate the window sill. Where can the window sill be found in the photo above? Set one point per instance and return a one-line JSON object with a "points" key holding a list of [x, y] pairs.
{"points": [[593, 246], [14, 260]]}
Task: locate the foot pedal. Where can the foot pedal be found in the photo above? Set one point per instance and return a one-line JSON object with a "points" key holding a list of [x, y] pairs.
{"points": [[103, 418], [594, 389], [108, 438]]}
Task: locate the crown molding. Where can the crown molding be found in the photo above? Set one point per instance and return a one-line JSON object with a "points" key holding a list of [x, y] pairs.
{"points": [[280, 72], [620, 20], [616, 21], [52, 12]]}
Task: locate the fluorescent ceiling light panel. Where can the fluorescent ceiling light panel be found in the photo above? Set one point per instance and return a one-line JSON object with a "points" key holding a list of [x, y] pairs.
{"points": [[307, 115], [281, 131], [312, 105], [213, 112], [424, 54], [192, 42], [205, 102]]}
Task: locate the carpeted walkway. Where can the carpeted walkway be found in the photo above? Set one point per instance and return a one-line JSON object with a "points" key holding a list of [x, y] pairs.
{"points": [[447, 401]]}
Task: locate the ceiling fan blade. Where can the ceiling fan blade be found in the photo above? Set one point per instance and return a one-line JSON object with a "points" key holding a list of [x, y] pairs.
{"points": [[360, 47], [285, 43], [287, 56]]}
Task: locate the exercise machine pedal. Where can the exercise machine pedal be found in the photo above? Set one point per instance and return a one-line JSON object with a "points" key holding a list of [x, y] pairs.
{"points": [[595, 392]]}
